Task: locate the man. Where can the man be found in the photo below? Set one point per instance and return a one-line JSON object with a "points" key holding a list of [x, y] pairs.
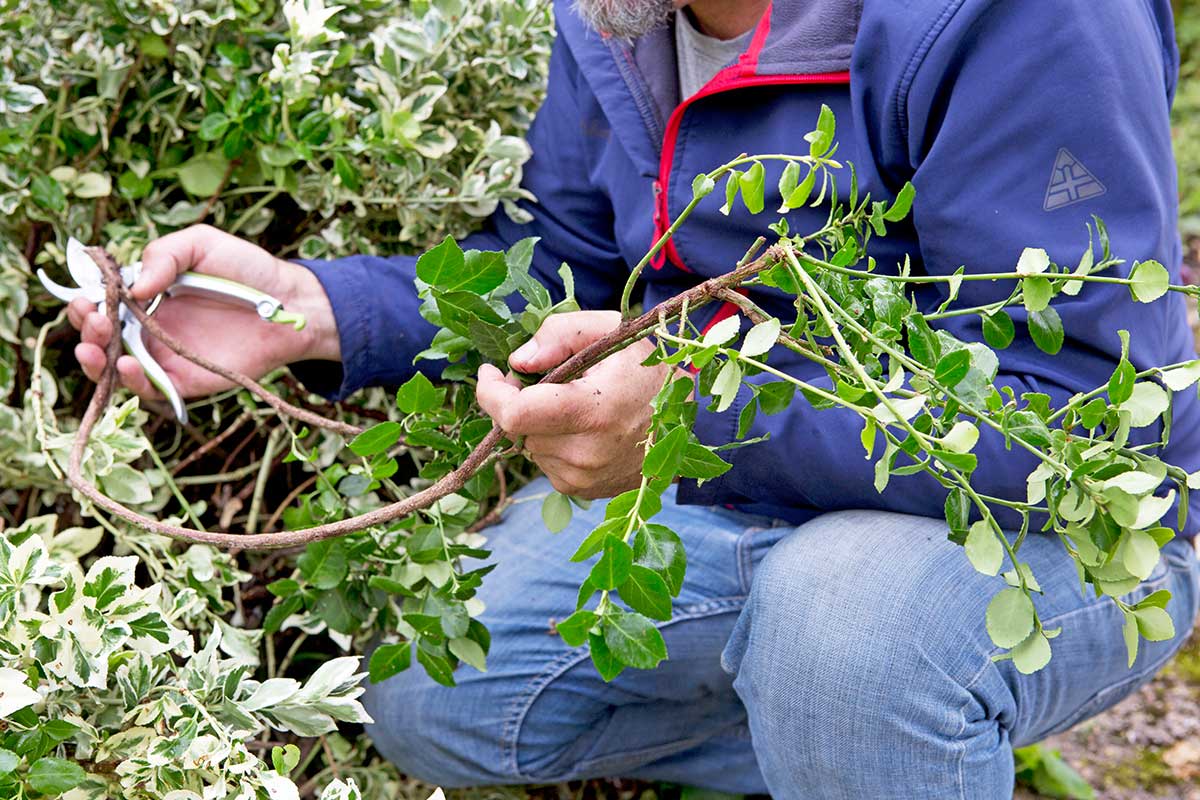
{"points": [[840, 653]]}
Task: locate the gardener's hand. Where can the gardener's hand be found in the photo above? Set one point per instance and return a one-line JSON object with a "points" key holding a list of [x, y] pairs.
{"points": [[232, 335], [585, 435]]}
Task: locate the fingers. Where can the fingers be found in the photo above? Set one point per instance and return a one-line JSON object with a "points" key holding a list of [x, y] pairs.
{"points": [[77, 311], [97, 329], [91, 359], [133, 377], [562, 336], [165, 258], [539, 409]]}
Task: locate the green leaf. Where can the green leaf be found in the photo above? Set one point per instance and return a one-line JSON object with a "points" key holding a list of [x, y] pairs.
{"points": [[722, 332], [574, 629], [1058, 779], [285, 759], [1033, 261], [605, 660], [634, 639], [952, 368], [964, 462], [761, 338], [1150, 281], [54, 776], [660, 548], [437, 666], [799, 196], [8, 761], [1036, 293], [613, 567], [1157, 599], [666, 454], [904, 201], [1032, 654], [1154, 623], [419, 395], [126, 485], [998, 329], [556, 512], [1129, 632], [701, 463], [1182, 377], [702, 186], [213, 126], [1139, 553], [277, 155], [483, 271], [1047, 330], [788, 181], [376, 439], [776, 396], [726, 385], [444, 265], [495, 343], [1147, 402], [48, 193], [731, 190], [1010, 617], [923, 343], [821, 139], [752, 186], [346, 172], [646, 591], [280, 612], [202, 175], [324, 563], [460, 309], [1028, 427], [957, 509], [1120, 385], [469, 652], [389, 660], [984, 550], [594, 541]]}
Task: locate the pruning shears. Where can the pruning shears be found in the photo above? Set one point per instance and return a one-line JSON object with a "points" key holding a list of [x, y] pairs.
{"points": [[90, 285]]}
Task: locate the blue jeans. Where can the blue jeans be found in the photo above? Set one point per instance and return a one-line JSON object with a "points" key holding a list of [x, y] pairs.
{"points": [[845, 658]]}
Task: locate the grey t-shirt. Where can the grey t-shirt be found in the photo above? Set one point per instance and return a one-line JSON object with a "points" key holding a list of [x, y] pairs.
{"points": [[700, 57]]}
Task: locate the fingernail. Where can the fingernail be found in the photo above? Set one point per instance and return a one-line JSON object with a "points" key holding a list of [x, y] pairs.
{"points": [[525, 352]]}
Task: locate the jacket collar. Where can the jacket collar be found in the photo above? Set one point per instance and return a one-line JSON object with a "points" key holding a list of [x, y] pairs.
{"points": [[637, 85]]}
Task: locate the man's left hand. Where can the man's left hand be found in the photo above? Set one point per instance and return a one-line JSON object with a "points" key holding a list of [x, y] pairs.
{"points": [[586, 435]]}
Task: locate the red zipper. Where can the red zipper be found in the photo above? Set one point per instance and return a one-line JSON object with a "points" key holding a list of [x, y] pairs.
{"points": [[737, 76]]}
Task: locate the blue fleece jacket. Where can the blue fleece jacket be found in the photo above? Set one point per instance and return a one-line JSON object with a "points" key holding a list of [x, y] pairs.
{"points": [[1016, 120]]}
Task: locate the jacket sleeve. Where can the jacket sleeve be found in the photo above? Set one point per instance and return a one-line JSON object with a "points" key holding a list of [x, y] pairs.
{"points": [[1004, 90], [374, 300]]}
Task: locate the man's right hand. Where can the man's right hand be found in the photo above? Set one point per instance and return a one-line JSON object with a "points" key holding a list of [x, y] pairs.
{"points": [[230, 334]]}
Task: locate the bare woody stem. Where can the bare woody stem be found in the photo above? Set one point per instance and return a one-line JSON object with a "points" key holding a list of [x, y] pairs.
{"points": [[485, 452]]}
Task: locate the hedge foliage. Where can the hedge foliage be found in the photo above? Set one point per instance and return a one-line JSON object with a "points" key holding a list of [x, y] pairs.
{"points": [[130, 666]]}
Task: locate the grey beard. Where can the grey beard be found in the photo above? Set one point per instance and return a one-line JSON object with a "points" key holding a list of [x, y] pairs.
{"points": [[625, 19]]}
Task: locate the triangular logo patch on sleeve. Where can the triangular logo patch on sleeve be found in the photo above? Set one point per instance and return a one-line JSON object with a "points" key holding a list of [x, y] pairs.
{"points": [[1071, 182]]}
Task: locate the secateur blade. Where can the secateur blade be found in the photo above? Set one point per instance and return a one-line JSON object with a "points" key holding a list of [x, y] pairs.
{"points": [[88, 280], [131, 336]]}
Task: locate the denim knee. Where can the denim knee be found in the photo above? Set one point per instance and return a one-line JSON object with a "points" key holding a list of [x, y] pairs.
{"points": [[836, 635], [435, 733]]}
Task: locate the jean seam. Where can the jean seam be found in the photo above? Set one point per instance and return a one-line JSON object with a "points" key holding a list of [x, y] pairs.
{"points": [[962, 727], [745, 552], [523, 702]]}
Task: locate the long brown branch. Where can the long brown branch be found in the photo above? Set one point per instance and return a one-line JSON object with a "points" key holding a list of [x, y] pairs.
{"points": [[484, 453]]}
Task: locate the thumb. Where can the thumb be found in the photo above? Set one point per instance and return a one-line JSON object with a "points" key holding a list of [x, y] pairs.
{"points": [[562, 336], [164, 259]]}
